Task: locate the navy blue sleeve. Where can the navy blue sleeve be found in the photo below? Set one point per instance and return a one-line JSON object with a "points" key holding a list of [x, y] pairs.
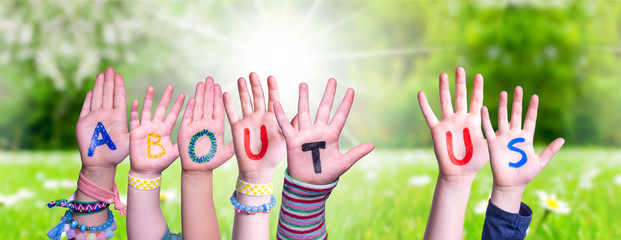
{"points": [[505, 225]]}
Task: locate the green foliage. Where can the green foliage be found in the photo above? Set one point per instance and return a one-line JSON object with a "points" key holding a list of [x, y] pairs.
{"points": [[565, 52]]}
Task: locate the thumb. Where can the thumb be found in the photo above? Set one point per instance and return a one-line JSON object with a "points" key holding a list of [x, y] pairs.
{"points": [[353, 155], [550, 151]]}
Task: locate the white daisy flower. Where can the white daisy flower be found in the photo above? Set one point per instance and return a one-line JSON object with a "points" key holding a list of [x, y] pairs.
{"points": [[481, 207], [617, 179], [420, 180], [169, 195], [550, 202]]}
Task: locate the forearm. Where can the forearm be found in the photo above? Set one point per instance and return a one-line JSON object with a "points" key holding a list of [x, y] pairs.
{"points": [[198, 214], [144, 214], [252, 226], [446, 218], [507, 198], [255, 226], [103, 177], [302, 212]]}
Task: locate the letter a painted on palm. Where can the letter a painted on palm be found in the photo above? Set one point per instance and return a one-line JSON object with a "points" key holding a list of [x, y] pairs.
{"points": [[263, 143], [96, 142], [467, 142]]}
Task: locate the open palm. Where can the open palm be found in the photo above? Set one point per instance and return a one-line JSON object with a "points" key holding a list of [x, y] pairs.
{"points": [[513, 158], [204, 112], [105, 104], [331, 163], [152, 158], [469, 153], [258, 125]]}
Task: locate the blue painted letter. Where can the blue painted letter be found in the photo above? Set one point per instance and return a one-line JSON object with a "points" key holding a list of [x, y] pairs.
{"points": [[512, 148], [96, 142]]}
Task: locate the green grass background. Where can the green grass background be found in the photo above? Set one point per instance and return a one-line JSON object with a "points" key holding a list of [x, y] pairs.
{"points": [[373, 200]]}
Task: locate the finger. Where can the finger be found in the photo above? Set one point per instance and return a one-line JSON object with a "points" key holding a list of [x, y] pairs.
{"points": [[108, 88], [199, 95], [160, 110], [516, 109], [147, 104], [503, 125], [303, 111], [189, 110], [281, 118], [97, 99], [209, 96], [430, 117], [172, 116], [445, 96], [487, 124], [294, 123], [257, 93], [550, 151], [120, 99], [274, 95], [86, 107], [461, 92], [244, 97], [476, 102], [531, 115], [134, 121], [342, 112], [325, 107], [218, 106], [230, 110], [353, 155]]}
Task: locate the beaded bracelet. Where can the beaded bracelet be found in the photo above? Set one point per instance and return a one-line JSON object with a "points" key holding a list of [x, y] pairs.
{"points": [[252, 210], [74, 230], [144, 184], [80, 208], [254, 189]]}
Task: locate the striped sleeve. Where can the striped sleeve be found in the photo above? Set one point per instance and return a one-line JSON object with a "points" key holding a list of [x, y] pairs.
{"points": [[302, 210]]}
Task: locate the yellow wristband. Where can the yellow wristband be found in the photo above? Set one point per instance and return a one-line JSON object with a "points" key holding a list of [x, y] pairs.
{"points": [[144, 184], [254, 189]]}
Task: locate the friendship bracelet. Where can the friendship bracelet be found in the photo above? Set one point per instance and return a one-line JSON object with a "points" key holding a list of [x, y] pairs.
{"points": [[98, 193], [254, 189], [252, 210], [144, 184], [80, 208], [74, 230]]}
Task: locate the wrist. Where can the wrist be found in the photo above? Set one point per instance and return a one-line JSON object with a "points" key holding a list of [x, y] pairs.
{"points": [[456, 180], [145, 174], [507, 198], [196, 173], [100, 176], [257, 177]]}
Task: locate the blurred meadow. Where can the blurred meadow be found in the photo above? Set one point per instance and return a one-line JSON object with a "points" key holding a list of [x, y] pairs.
{"points": [[567, 52]]}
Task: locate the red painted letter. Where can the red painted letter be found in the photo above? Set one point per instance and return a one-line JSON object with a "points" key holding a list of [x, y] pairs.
{"points": [[467, 141], [263, 143]]}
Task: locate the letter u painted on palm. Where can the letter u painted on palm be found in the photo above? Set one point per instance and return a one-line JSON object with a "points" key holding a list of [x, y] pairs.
{"points": [[264, 143], [467, 142]]}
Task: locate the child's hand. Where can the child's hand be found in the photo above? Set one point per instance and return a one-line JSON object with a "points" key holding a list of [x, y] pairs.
{"points": [[203, 120], [313, 154], [259, 145], [458, 155], [513, 158], [151, 149], [106, 104]]}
